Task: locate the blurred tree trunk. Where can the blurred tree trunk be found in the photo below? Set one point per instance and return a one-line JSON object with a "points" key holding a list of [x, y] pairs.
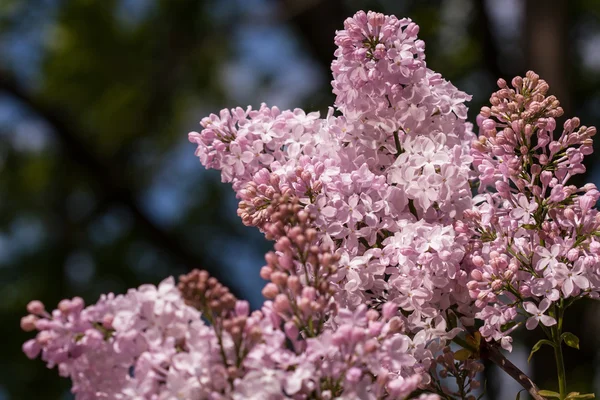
{"points": [[546, 45]]}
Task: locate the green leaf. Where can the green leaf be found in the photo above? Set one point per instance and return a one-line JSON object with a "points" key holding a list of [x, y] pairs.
{"points": [[462, 354], [570, 340], [538, 346], [549, 393]]}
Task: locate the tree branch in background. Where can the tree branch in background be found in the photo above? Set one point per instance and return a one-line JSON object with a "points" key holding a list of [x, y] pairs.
{"points": [[546, 48], [105, 175], [492, 353]]}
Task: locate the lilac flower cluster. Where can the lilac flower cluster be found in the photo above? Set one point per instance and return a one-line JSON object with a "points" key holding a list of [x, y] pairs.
{"points": [[385, 184], [382, 255], [534, 240], [153, 344]]}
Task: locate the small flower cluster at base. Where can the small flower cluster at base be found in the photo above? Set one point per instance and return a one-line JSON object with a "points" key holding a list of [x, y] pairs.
{"points": [[150, 344]]}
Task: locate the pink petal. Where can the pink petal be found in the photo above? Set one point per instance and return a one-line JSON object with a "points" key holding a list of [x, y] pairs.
{"points": [[530, 307], [544, 304], [547, 320], [531, 323], [328, 211], [567, 288], [581, 281]]}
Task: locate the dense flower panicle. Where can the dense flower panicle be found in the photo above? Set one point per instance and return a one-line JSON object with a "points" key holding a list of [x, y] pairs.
{"points": [[535, 237], [298, 271], [377, 56], [204, 292], [154, 346], [242, 142], [365, 178], [382, 255], [120, 347]]}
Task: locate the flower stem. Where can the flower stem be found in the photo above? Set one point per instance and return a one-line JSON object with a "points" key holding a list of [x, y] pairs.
{"points": [[558, 354]]}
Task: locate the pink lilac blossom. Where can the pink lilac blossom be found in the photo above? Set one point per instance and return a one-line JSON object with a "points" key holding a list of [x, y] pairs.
{"points": [[370, 178], [382, 255], [533, 242], [154, 345]]}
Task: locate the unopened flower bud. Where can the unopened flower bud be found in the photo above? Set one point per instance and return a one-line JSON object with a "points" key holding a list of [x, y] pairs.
{"points": [[353, 375], [389, 310], [569, 214], [107, 321], [281, 303], [35, 307], [265, 273], [370, 346], [270, 290], [396, 324], [291, 330], [573, 254], [28, 322]]}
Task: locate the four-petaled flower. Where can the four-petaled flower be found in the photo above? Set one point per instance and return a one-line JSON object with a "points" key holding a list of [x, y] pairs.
{"points": [[537, 314]]}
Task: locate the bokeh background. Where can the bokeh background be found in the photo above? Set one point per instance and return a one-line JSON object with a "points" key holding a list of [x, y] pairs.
{"points": [[100, 189]]}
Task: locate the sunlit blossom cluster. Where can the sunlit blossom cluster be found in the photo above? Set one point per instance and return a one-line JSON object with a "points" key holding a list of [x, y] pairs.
{"points": [[383, 253], [534, 238]]}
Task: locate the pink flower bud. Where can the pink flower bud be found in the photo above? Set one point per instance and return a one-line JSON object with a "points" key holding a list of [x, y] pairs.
{"points": [[279, 278], [472, 285], [107, 321], [31, 348], [270, 290], [372, 315], [479, 262], [28, 322], [488, 124], [573, 254], [569, 214], [294, 284], [304, 305], [546, 177], [554, 147], [353, 375], [389, 310], [370, 346], [265, 273], [242, 308], [291, 330], [35, 307], [586, 203], [309, 293], [281, 303]]}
